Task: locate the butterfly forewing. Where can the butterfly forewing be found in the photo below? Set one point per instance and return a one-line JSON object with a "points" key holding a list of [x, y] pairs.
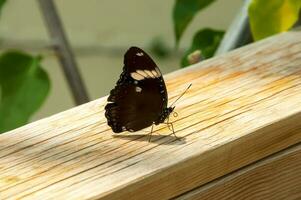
{"points": [[140, 96]]}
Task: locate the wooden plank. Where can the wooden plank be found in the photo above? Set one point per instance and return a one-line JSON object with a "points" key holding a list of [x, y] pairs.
{"points": [[276, 177], [242, 107]]}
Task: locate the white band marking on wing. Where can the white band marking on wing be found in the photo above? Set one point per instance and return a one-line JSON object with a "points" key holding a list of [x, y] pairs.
{"points": [[149, 73], [142, 73]]}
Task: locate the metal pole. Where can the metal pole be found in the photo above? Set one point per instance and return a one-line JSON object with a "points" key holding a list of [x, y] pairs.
{"points": [[238, 34], [63, 51]]}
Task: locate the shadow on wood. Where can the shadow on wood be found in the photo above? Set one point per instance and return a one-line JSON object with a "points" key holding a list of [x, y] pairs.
{"points": [[171, 140]]}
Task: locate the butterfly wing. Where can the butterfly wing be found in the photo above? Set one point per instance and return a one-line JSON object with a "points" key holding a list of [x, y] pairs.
{"points": [[140, 95]]}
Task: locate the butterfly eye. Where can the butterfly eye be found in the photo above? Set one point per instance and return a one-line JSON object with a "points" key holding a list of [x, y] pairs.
{"points": [[175, 114]]}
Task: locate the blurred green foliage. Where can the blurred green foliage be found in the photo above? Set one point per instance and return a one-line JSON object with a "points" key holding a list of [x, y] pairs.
{"points": [[159, 48], [266, 18], [2, 3], [24, 87], [183, 13], [205, 40], [271, 17]]}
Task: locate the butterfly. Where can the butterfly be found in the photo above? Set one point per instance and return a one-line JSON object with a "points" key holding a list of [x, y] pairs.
{"points": [[139, 98]]}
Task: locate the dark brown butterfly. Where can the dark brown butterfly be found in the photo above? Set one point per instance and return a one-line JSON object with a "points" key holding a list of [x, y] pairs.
{"points": [[139, 98]]}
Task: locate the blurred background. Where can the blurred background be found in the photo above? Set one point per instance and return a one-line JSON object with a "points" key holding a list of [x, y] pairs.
{"points": [[100, 32]]}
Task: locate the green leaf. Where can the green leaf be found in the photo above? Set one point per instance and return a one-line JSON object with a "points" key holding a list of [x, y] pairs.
{"points": [[1, 4], [24, 86], [207, 41], [273, 16], [159, 48], [183, 13]]}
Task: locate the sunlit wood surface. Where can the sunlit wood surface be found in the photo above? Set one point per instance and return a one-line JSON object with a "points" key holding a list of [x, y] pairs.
{"points": [[242, 107], [275, 177]]}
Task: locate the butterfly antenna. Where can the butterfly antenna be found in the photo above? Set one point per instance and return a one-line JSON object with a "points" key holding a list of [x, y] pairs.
{"points": [[181, 95]]}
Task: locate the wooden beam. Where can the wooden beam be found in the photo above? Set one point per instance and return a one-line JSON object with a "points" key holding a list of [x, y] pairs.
{"points": [[242, 107], [276, 177]]}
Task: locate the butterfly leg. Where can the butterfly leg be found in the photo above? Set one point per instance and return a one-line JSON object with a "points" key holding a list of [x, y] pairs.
{"points": [[169, 124], [150, 134], [173, 131], [169, 127]]}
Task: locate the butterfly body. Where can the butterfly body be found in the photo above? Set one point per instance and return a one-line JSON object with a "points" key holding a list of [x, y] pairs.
{"points": [[139, 98]]}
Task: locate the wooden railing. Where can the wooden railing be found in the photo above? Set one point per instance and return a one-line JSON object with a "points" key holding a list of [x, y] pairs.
{"points": [[240, 125]]}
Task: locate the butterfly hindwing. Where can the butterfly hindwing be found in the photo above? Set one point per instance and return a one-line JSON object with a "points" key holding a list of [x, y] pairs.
{"points": [[140, 95]]}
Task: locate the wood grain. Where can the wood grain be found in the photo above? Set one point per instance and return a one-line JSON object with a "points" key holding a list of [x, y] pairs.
{"points": [[242, 107], [276, 177]]}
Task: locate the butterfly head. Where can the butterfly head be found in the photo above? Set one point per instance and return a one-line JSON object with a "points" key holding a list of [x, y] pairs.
{"points": [[165, 114], [170, 110]]}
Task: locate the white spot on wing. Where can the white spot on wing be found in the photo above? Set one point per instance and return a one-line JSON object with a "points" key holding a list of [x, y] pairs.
{"points": [[137, 76], [138, 89], [139, 54]]}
